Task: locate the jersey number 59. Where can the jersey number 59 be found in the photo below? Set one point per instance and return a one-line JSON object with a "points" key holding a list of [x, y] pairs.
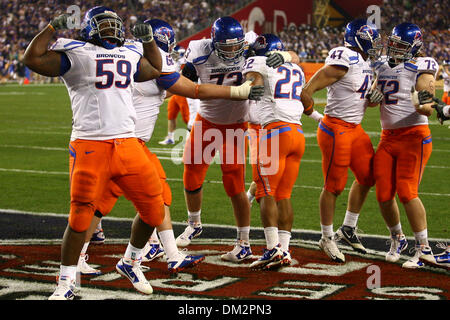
{"points": [[123, 68]]}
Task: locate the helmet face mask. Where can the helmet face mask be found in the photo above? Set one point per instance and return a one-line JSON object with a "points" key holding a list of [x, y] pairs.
{"points": [[104, 26], [230, 50], [404, 43]]}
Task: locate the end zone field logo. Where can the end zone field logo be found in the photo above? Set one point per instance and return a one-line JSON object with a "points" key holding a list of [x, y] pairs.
{"points": [[28, 272]]}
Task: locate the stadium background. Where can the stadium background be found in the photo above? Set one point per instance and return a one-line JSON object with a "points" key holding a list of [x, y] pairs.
{"points": [[35, 115]]}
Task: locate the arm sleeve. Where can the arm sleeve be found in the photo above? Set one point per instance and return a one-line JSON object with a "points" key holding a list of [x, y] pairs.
{"points": [[190, 72], [166, 80]]}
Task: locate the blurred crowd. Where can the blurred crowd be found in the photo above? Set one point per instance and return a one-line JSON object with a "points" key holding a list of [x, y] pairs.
{"points": [[312, 44], [22, 19]]}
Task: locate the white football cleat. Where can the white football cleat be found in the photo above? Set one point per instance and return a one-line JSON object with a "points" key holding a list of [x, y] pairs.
{"points": [[398, 244], [441, 260], [420, 252], [329, 246], [131, 269], [152, 251], [85, 269], [240, 252], [65, 289], [166, 141], [192, 231]]}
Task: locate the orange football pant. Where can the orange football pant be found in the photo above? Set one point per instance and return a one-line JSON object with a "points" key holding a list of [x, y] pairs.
{"points": [[93, 164], [110, 195], [281, 148], [399, 162], [204, 140], [344, 145], [446, 98], [178, 104]]}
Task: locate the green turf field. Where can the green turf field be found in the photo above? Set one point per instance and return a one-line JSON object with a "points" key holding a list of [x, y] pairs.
{"points": [[35, 124]]}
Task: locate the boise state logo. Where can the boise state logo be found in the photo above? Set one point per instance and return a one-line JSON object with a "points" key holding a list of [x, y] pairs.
{"points": [[365, 32], [164, 34], [260, 43]]}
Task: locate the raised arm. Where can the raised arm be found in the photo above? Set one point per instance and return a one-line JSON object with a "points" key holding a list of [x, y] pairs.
{"points": [[144, 32], [37, 57]]}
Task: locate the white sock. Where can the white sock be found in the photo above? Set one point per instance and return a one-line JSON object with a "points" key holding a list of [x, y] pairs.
{"points": [[99, 226], [421, 237], [84, 249], [351, 219], [154, 238], [132, 253], [327, 231], [271, 234], [284, 236], [168, 242], [170, 135], [397, 229], [446, 111], [68, 272], [194, 217], [250, 196], [243, 234]]}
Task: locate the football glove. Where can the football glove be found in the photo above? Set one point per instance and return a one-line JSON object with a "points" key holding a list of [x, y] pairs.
{"points": [[143, 32], [60, 22], [277, 58], [424, 97], [246, 91], [375, 96], [439, 107]]}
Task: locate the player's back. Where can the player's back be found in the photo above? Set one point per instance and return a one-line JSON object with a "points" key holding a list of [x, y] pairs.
{"points": [[346, 97], [99, 83], [282, 89], [397, 109], [211, 69]]}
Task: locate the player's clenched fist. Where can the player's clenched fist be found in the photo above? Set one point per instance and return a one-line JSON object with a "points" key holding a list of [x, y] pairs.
{"points": [[143, 31], [60, 22]]}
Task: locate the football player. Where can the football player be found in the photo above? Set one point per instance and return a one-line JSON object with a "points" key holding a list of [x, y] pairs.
{"points": [[178, 104], [406, 143], [218, 60], [280, 149], [446, 76], [99, 73], [147, 98], [344, 144]]}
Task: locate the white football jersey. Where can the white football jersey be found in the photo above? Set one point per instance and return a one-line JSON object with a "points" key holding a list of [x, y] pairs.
{"points": [[148, 96], [397, 109], [446, 77], [346, 98], [99, 83], [282, 89], [194, 106], [211, 69]]}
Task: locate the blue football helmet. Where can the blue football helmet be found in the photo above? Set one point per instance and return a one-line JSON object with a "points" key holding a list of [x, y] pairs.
{"points": [[360, 34], [404, 42], [228, 39], [163, 34], [265, 43], [104, 26]]}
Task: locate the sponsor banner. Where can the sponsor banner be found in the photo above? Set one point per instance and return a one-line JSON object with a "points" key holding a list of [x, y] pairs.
{"points": [[266, 16], [309, 68]]}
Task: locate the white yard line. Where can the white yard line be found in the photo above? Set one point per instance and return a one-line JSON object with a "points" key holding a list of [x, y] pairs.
{"points": [[181, 180]]}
